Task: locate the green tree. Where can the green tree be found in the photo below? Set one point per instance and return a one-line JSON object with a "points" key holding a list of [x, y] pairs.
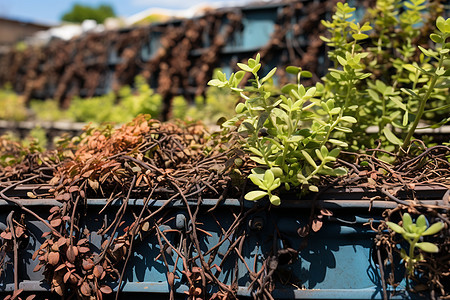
{"points": [[80, 12]]}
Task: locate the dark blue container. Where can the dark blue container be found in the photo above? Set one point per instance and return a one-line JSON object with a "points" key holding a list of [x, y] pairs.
{"points": [[337, 262]]}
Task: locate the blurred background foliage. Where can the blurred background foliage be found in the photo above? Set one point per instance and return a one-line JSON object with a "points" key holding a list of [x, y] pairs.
{"points": [[80, 12], [120, 108], [13, 106]]}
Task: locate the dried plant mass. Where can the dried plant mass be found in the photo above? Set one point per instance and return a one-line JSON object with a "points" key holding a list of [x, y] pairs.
{"points": [[146, 159]]}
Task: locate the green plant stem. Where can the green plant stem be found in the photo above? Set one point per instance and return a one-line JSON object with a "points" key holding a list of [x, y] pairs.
{"points": [[315, 171], [329, 132], [421, 109], [286, 144], [341, 113], [260, 146], [257, 81], [285, 149], [412, 246], [382, 123], [290, 127]]}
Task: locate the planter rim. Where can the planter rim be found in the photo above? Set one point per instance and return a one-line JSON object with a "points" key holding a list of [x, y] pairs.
{"points": [[162, 288], [332, 198], [286, 203]]}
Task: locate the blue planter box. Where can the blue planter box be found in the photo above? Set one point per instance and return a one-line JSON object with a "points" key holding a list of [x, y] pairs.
{"points": [[335, 262]]}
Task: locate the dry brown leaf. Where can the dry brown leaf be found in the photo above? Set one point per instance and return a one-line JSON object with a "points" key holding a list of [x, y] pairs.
{"points": [[87, 264], [31, 195], [316, 225], [73, 189], [146, 226], [88, 173], [106, 289], [85, 289], [35, 254], [70, 253], [326, 212], [94, 184], [54, 209], [60, 267], [6, 235], [57, 287], [54, 181], [61, 241], [67, 276], [38, 267], [55, 247], [53, 258], [98, 270], [83, 249], [56, 222]]}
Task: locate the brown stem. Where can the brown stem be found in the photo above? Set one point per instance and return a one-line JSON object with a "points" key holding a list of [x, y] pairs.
{"points": [[16, 254], [383, 282], [392, 197], [102, 255], [72, 219], [133, 234], [195, 238]]}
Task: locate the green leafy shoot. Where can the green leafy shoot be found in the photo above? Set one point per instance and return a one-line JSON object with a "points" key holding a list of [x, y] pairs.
{"points": [[284, 134], [412, 233]]}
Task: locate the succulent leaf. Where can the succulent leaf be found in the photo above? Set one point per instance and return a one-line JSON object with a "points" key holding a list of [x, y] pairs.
{"points": [[433, 229]]}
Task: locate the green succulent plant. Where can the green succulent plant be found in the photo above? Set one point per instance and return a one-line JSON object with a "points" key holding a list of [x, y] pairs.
{"points": [[289, 140], [412, 233], [381, 78]]}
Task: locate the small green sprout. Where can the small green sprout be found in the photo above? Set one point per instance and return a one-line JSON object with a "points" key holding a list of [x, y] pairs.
{"points": [[267, 183], [412, 232]]}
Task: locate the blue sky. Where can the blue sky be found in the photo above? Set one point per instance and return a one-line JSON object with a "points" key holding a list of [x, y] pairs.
{"points": [[50, 11]]}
